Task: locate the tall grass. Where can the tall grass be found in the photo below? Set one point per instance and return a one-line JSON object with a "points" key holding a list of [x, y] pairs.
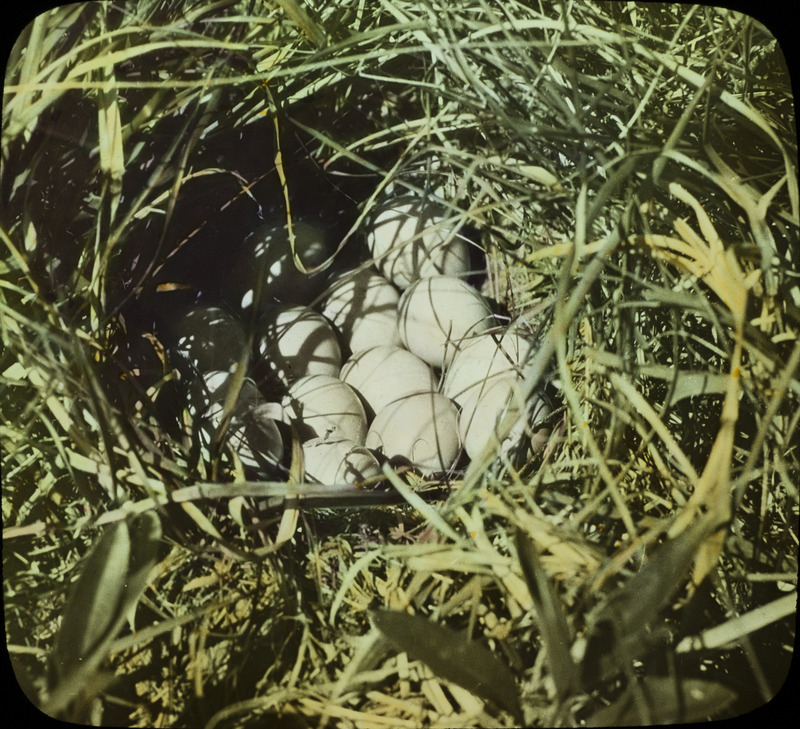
{"points": [[630, 174]]}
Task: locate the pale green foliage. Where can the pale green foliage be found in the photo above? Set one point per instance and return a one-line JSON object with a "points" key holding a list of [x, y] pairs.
{"points": [[629, 171]]}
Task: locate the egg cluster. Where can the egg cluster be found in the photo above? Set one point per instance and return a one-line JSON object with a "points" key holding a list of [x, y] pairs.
{"points": [[400, 357]]}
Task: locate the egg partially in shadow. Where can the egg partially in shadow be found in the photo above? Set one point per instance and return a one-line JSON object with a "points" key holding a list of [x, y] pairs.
{"points": [[294, 341], [257, 441], [438, 315], [421, 428], [339, 461], [362, 305], [268, 249], [325, 407], [412, 237], [209, 338]]}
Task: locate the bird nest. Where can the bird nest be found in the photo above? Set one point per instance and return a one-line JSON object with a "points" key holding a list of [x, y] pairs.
{"points": [[629, 176]]}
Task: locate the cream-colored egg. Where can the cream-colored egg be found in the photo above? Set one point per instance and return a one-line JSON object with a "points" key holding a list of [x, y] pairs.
{"points": [[325, 407], [384, 374], [269, 247], [209, 338], [339, 461], [257, 440], [482, 413], [363, 307], [295, 341], [422, 429], [410, 239], [437, 316], [485, 409], [208, 393], [483, 360]]}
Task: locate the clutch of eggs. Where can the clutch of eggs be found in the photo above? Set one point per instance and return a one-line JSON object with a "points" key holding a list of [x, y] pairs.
{"points": [[429, 374]]}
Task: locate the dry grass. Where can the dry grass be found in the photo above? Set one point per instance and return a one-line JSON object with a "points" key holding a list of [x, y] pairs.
{"points": [[630, 173]]}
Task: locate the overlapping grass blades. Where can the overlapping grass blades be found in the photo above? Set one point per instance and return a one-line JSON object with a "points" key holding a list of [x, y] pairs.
{"points": [[631, 175]]}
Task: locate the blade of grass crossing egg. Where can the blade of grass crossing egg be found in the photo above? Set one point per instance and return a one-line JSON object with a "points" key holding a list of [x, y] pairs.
{"points": [[291, 514], [279, 168], [228, 408]]}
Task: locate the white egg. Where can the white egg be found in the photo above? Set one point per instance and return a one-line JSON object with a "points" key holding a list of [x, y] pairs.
{"points": [[482, 413], [257, 440], [363, 307], [206, 404], [384, 374], [339, 461], [483, 360], [207, 395], [422, 429], [409, 239], [269, 247], [325, 407], [295, 341], [438, 315], [209, 338], [484, 410]]}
